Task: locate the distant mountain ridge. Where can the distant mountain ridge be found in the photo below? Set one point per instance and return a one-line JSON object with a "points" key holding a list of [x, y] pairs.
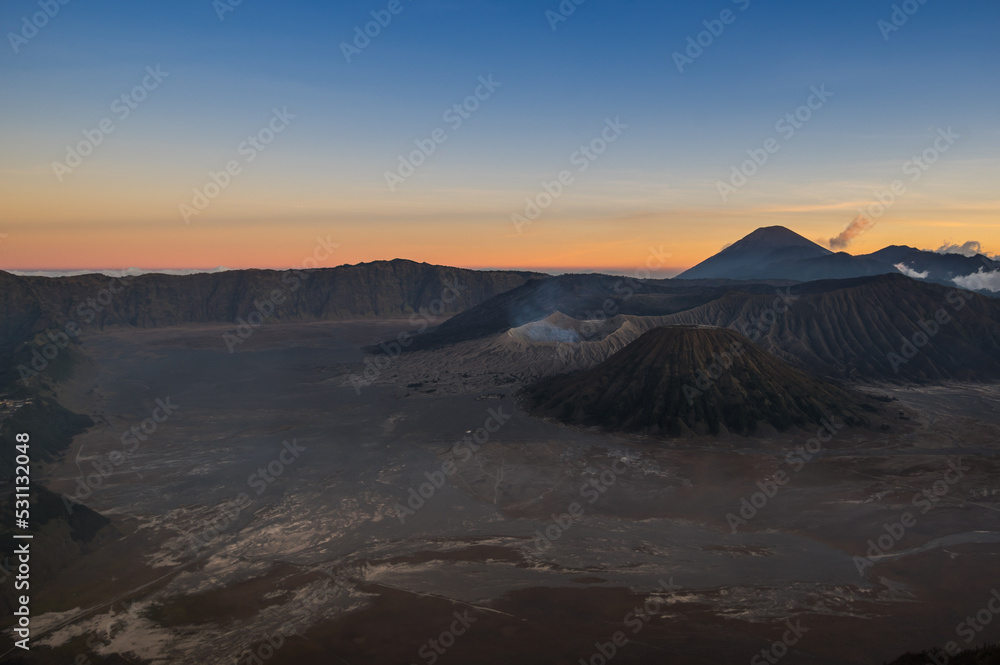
{"points": [[85, 303], [862, 328], [776, 252], [844, 328], [367, 290], [859, 329], [579, 296], [745, 257], [939, 268]]}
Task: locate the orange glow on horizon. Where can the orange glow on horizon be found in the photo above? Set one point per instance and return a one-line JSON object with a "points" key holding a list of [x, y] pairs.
{"points": [[158, 248], [84, 225]]}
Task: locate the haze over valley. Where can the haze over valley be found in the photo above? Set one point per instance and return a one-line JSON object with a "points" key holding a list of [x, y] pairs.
{"points": [[492, 333]]}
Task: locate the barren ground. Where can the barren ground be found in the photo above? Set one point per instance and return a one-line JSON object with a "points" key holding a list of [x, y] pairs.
{"points": [[659, 512]]}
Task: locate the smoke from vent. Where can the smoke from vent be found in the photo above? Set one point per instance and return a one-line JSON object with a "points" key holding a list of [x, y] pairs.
{"points": [[853, 230]]}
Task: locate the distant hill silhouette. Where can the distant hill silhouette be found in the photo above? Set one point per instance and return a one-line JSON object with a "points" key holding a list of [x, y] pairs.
{"points": [[939, 268], [751, 255], [678, 380], [857, 329], [776, 252], [582, 297]]}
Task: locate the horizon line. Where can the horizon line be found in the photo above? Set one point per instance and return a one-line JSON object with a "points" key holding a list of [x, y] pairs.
{"points": [[553, 270]]}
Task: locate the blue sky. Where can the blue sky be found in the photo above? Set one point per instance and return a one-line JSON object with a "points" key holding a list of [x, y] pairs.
{"points": [[607, 60]]}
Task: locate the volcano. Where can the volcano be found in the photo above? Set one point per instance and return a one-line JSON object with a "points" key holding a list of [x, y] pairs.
{"points": [[680, 380], [755, 252]]}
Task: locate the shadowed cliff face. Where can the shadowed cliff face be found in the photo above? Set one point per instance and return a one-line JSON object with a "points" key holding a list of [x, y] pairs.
{"points": [[379, 289], [588, 297], [886, 328], [61, 535], [883, 328], [680, 379], [60, 538]]}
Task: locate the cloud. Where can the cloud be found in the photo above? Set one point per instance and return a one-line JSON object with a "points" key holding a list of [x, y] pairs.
{"points": [[128, 272], [970, 248], [910, 272], [980, 281], [853, 230]]}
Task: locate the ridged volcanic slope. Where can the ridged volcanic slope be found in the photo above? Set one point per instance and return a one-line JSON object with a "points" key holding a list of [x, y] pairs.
{"points": [[657, 384]]}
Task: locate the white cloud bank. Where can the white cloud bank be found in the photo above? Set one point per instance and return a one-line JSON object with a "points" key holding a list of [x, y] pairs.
{"points": [[910, 272], [970, 248], [980, 281], [128, 272]]}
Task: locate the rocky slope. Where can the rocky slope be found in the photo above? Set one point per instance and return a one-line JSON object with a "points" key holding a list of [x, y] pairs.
{"points": [[873, 329], [679, 380], [584, 297], [885, 328], [379, 289]]}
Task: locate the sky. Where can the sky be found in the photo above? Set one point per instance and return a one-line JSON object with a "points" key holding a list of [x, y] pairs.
{"points": [[191, 134]]}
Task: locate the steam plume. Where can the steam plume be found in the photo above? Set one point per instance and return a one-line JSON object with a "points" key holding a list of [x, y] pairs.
{"points": [[853, 230]]}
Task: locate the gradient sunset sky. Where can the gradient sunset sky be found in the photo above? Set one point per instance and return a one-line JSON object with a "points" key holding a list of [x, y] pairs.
{"points": [[324, 174]]}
